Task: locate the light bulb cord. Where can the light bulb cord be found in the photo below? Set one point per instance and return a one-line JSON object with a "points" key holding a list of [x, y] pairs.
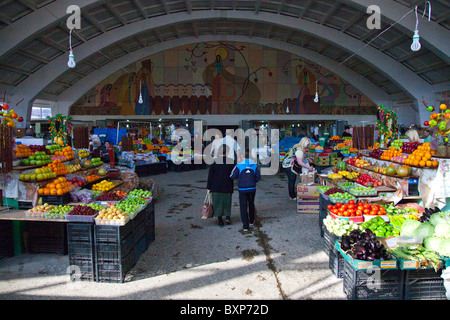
{"points": [[70, 40]]}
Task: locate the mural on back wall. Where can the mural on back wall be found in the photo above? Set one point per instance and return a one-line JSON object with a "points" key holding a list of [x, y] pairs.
{"points": [[222, 78]]}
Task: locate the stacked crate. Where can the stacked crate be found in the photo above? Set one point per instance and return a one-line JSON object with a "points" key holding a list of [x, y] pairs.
{"points": [[81, 249], [47, 237]]}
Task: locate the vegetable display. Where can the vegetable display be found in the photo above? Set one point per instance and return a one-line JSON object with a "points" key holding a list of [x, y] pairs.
{"points": [[417, 252], [381, 229], [339, 227], [363, 245], [426, 215]]}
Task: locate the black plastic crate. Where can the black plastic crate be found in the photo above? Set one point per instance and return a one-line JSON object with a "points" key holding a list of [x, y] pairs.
{"points": [[377, 284], [82, 269], [6, 239], [423, 284], [24, 205], [47, 237], [80, 232], [105, 251], [329, 239], [57, 200], [140, 248], [336, 263], [114, 234], [115, 270]]}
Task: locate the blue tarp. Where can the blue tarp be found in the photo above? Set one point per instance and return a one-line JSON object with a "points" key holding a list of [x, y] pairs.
{"points": [[288, 142], [111, 134]]}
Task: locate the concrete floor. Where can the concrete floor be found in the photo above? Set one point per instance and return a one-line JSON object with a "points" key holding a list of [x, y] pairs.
{"points": [[194, 259]]}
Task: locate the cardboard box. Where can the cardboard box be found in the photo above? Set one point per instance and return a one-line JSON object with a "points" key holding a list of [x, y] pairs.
{"points": [[307, 191], [308, 206], [308, 178]]}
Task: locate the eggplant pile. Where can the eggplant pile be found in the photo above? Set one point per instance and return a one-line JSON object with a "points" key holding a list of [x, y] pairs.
{"points": [[428, 213], [363, 245]]}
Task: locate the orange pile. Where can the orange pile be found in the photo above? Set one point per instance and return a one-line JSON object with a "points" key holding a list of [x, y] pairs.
{"points": [[390, 153], [421, 157], [66, 152], [58, 187], [23, 151], [58, 167], [92, 177]]}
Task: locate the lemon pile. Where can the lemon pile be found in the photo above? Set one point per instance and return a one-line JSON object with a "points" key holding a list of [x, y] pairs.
{"points": [[104, 186]]}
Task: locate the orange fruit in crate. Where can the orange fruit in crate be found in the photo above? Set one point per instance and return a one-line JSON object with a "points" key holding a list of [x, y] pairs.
{"points": [[429, 163], [435, 163], [60, 192], [422, 163], [53, 192]]}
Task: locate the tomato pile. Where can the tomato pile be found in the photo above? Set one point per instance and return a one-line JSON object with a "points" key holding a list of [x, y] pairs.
{"points": [[352, 209]]}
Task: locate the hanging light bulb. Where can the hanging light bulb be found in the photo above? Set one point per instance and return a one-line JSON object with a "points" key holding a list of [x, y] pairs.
{"points": [[287, 109], [316, 99], [141, 100], [71, 63], [415, 46]]}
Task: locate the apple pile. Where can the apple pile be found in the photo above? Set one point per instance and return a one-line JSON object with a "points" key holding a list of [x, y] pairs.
{"points": [[77, 182], [410, 147], [367, 181], [376, 153]]}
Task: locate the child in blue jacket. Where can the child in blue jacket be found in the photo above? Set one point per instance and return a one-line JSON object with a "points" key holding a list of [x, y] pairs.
{"points": [[248, 175]]}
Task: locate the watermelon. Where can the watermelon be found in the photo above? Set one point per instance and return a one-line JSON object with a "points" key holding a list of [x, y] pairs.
{"points": [[341, 166]]}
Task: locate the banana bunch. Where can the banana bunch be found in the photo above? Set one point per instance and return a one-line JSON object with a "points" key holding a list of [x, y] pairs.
{"points": [[344, 173], [353, 175]]}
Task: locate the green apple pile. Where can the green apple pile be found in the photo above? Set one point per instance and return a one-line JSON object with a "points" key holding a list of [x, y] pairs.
{"points": [[397, 144], [341, 197], [128, 208], [136, 200], [53, 148], [362, 191], [139, 193], [97, 206], [40, 158], [40, 174], [96, 162], [58, 212]]}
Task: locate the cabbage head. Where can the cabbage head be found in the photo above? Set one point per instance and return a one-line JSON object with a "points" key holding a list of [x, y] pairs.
{"points": [[432, 243], [442, 230], [409, 227], [439, 217], [444, 248], [425, 229]]}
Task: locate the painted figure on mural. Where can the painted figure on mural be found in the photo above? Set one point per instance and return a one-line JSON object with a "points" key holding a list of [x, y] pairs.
{"points": [[306, 82], [145, 86], [124, 93]]}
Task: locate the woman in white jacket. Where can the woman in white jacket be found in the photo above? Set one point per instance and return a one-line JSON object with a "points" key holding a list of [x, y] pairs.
{"points": [[297, 152]]}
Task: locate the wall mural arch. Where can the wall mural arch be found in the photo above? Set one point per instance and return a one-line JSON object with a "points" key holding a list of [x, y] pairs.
{"points": [[223, 78]]}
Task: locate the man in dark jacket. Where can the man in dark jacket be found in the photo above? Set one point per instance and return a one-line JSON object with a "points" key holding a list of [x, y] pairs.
{"points": [[248, 175], [221, 185]]}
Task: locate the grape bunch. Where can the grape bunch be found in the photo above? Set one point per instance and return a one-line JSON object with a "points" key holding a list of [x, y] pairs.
{"points": [[333, 191]]}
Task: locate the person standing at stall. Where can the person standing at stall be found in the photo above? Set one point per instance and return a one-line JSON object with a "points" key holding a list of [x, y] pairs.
{"points": [[221, 186], [347, 132], [296, 155]]}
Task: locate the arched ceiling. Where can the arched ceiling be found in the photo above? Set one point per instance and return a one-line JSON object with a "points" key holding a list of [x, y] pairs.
{"points": [[35, 40]]}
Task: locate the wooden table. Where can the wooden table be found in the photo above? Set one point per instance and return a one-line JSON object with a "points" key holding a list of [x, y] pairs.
{"points": [[20, 215]]}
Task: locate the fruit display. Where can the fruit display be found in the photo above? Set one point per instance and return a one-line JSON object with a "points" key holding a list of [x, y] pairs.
{"points": [[346, 185], [345, 209], [39, 211], [112, 216], [58, 187], [339, 227], [77, 182], [335, 138], [367, 181], [390, 153], [101, 172], [353, 150], [340, 197], [333, 190], [23, 151], [92, 177], [421, 157], [363, 191], [334, 176], [65, 153], [376, 153], [86, 164], [96, 162], [140, 193], [62, 209], [397, 144], [109, 196], [96, 206], [323, 189], [104, 186], [53, 148], [353, 175], [410, 147], [58, 167], [38, 175], [83, 154], [121, 193], [127, 207], [40, 158], [73, 168], [381, 228], [341, 165], [83, 210], [319, 149], [360, 163]]}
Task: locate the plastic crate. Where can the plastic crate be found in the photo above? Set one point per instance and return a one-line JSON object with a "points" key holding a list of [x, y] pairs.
{"points": [[336, 263], [77, 218], [47, 237], [329, 239], [140, 247], [57, 200], [81, 250], [112, 222], [80, 232], [83, 269], [113, 234], [423, 284], [115, 270], [25, 205], [376, 284], [6, 239]]}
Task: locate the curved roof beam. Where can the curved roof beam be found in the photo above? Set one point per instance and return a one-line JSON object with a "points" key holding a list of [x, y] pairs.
{"points": [[72, 94], [22, 29], [405, 78], [430, 32]]}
